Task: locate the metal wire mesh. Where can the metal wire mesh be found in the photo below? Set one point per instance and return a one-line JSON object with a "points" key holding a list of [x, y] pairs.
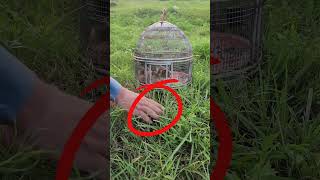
{"points": [[97, 10], [236, 37], [163, 52], [93, 27]]}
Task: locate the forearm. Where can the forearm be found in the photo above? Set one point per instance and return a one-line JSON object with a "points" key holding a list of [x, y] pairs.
{"points": [[17, 83]]}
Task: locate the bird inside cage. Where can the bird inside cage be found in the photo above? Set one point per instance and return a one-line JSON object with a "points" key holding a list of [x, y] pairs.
{"points": [[158, 73], [153, 73]]}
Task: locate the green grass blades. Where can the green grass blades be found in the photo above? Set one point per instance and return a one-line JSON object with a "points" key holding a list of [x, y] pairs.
{"points": [[183, 151], [275, 116]]}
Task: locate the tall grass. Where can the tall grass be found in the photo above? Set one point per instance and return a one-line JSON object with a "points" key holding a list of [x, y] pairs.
{"points": [[183, 151], [275, 115], [43, 35]]}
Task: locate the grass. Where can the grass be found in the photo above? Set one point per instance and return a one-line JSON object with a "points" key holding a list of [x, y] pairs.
{"points": [[44, 36], [182, 152], [275, 118]]}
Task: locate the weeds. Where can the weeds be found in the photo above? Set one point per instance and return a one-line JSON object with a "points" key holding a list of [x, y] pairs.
{"points": [[275, 117]]}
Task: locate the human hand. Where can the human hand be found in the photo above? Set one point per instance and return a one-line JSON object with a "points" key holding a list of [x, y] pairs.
{"points": [[146, 108], [51, 116]]}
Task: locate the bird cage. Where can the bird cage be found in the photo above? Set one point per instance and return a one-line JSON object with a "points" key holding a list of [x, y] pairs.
{"points": [[93, 32], [236, 37], [163, 52]]}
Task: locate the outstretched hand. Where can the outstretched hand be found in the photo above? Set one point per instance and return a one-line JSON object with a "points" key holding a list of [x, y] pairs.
{"points": [[146, 108], [50, 116]]}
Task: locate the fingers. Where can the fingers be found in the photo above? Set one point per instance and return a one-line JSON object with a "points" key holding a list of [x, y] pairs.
{"points": [[157, 106], [97, 145], [93, 155], [101, 127], [143, 115], [90, 161], [150, 112], [148, 109], [154, 108], [97, 138]]}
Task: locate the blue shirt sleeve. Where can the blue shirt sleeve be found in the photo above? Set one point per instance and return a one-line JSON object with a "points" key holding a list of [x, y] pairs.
{"points": [[16, 85], [115, 87]]}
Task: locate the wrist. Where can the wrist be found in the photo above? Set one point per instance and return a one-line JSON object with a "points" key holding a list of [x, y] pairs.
{"points": [[115, 88], [122, 92], [36, 106]]}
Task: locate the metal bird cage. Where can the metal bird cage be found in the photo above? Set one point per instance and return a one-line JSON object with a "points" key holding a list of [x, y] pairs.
{"points": [[163, 52], [93, 32], [236, 37]]}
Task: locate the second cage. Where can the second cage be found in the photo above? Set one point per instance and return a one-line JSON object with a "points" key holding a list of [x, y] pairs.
{"points": [[236, 37], [93, 32]]}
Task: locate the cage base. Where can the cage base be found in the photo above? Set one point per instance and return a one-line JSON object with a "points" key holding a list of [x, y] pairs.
{"points": [[171, 85]]}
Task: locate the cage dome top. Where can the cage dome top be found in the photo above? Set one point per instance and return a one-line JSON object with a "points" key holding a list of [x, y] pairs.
{"points": [[163, 41]]}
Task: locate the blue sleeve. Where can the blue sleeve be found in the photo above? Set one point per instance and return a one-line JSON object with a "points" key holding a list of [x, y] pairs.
{"points": [[115, 87], [16, 86]]}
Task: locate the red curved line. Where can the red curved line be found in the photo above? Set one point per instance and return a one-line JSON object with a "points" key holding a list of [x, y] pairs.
{"points": [[148, 88], [96, 84], [214, 60], [225, 142], [66, 159]]}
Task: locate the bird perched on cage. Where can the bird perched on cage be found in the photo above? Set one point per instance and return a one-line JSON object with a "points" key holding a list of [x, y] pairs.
{"points": [[163, 15]]}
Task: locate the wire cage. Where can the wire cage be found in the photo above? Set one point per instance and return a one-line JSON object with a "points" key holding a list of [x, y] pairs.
{"points": [[93, 32], [163, 52], [236, 37]]}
